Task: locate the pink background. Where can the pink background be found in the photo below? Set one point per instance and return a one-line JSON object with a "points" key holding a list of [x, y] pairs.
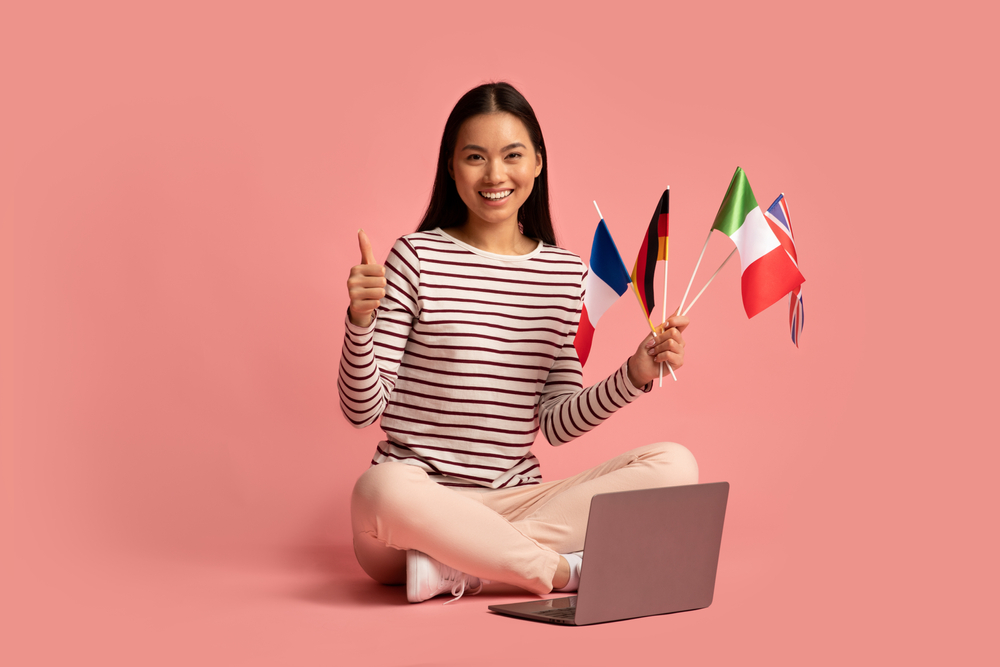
{"points": [[179, 193]]}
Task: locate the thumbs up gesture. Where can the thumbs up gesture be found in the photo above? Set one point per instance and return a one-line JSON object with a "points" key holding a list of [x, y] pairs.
{"points": [[366, 285]]}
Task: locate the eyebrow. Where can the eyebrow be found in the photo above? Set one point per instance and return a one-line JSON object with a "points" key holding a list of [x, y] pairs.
{"points": [[474, 147]]}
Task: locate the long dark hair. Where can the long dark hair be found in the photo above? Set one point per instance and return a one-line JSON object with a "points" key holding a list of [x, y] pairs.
{"points": [[446, 208]]}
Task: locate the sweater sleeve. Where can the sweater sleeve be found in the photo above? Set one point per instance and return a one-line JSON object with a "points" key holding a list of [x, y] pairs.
{"points": [[568, 410], [370, 358]]}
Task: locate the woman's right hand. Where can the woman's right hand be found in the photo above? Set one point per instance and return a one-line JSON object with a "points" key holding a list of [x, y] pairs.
{"points": [[366, 286], [667, 346]]}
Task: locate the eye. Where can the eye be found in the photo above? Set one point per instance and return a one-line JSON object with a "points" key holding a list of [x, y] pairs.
{"points": [[475, 156], [514, 155]]}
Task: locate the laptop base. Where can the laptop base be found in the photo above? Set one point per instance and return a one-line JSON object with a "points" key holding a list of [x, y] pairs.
{"points": [[554, 610]]}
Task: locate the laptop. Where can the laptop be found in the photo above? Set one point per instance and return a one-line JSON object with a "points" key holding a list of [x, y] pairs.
{"points": [[647, 552]]}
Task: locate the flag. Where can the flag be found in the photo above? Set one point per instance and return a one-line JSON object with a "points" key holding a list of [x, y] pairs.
{"points": [[607, 279], [768, 272], [781, 224], [653, 249], [796, 315]]}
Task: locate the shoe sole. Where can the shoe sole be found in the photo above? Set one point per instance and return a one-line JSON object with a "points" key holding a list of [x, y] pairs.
{"points": [[412, 576]]}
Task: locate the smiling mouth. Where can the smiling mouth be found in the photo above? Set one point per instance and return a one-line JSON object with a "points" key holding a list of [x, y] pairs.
{"points": [[494, 196]]}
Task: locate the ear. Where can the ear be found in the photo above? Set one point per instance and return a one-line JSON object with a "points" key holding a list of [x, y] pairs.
{"points": [[451, 168], [538, 168]]}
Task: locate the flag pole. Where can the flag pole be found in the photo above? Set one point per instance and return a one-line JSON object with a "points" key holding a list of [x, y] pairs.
{"points": [[639, 300], [653, 329], [709, 282], [664, 318], [693, 273]]}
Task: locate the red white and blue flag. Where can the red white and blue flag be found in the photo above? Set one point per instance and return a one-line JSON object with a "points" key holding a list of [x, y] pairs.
{"points": [[607, 279], [781, 224]]}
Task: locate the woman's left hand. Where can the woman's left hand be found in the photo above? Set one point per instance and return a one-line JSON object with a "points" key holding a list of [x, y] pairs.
{"points": [[668, 346]]}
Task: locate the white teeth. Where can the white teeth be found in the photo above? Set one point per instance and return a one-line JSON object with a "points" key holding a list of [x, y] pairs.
{"points": [[496, 195]]}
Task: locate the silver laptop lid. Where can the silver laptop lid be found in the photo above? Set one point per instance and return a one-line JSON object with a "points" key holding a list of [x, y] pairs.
{"points": [[651, 551]]}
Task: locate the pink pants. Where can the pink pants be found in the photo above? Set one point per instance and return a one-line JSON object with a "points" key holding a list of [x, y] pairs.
{"points": [[513, 535]]}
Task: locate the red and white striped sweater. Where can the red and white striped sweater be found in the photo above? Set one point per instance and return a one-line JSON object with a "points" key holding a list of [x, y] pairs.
{"points": [[469, 354]]}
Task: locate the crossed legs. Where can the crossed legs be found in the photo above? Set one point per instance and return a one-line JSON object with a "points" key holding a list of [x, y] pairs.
{"points": [[509, 535]]}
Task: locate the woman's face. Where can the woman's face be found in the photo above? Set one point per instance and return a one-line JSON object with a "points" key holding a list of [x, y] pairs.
{"points": [[494, 167]]}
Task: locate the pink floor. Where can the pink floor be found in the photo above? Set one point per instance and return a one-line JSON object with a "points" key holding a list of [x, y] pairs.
{"points": [[905, 582], [766, 612]]}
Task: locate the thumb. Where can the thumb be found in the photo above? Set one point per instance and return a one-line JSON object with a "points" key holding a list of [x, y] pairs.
{"points": [[367, 256]]}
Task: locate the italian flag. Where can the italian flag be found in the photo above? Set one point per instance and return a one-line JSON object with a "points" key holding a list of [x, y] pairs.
{"points": [[768, 272]]}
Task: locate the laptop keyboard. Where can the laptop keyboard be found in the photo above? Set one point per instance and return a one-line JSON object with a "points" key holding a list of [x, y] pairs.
{"points": [[565, 612]]}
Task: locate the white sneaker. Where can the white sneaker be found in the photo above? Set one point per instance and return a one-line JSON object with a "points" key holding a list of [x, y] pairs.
{"points": [[426, 577]]}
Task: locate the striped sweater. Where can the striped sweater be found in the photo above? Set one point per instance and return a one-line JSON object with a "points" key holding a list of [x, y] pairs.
{"points": [[468, 355]]}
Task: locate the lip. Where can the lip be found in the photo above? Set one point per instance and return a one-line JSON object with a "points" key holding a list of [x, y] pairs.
{"points": [[495, 203]]}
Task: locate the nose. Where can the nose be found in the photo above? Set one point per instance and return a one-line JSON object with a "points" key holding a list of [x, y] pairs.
{"points": [[497, 172]]}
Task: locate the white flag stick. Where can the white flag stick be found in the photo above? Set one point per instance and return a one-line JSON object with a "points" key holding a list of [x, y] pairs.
{"points": [[664, 318], [709, 282], [669, 367], [680, 307], [664, 290], [598, 210]]}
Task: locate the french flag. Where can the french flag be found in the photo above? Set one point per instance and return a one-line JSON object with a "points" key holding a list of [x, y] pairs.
{"points": [[607, 280]]}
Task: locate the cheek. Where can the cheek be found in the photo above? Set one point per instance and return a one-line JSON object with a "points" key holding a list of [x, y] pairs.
{"points": [[466, 186], [527, 177], [461, 181], [465, 176], [529, 171]]}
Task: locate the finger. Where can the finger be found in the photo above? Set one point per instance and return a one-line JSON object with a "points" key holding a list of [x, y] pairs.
{"points": [[665, 324], [669, 345], [668, 353], [362, 307], [669, 334], [366, 275], [677, 322], [362, 294], [675, 360], [675, 334], [367, 256], [368, 272]]}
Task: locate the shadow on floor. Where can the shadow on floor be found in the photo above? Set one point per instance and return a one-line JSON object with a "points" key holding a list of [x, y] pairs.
{"points": [[342, 582], [353, 592]]}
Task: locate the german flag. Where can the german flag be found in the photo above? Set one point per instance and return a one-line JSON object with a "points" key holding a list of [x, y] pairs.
{"points": [[653, 249]]}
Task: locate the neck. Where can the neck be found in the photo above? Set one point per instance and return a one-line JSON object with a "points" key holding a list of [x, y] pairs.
{"points": [[499, 239]]}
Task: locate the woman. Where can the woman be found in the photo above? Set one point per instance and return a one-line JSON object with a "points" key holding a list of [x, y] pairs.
{"points": [[463, 344]]}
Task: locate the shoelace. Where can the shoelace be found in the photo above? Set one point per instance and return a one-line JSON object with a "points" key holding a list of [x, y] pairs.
{"points": [[458, 588]]}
